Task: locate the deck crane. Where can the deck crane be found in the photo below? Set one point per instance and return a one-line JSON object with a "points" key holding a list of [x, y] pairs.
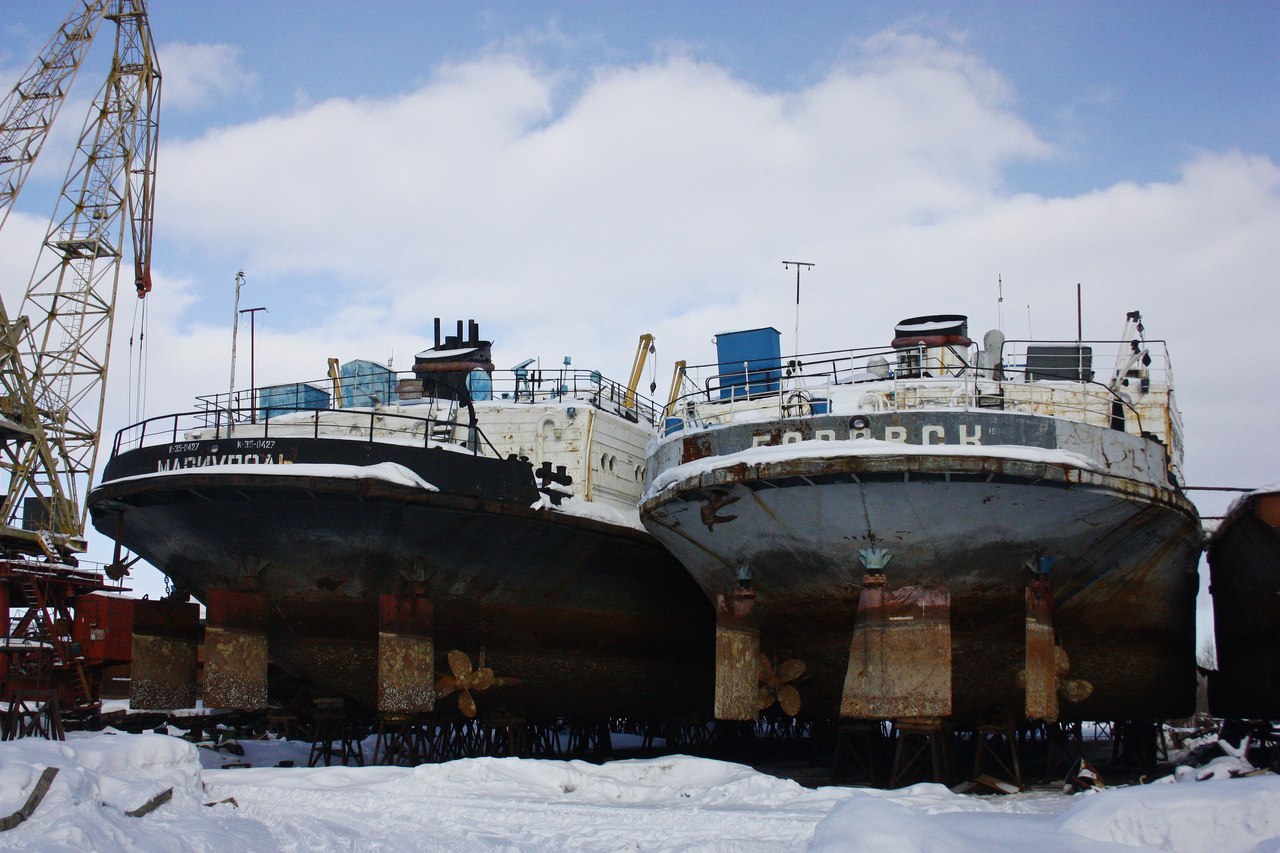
{"points": [[54, 353]]}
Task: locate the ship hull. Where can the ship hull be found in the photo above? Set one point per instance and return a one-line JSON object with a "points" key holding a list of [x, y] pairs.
{"points": [[593, 619], [1244, 572], [1124, 574]]}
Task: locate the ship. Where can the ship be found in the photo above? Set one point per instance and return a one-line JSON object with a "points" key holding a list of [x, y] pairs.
{"points": [[1244, 579], [408, 541], [935, 529]]}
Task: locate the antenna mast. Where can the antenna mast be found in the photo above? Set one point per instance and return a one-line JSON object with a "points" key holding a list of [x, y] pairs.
{"points": [[797, 265]]}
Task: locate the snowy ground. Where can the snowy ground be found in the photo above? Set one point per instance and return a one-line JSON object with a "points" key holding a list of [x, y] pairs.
{"points": [[499, 804]]}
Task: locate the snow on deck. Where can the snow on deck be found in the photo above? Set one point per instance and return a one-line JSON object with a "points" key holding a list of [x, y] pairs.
{"points": [[390, 472], [856, 447]]}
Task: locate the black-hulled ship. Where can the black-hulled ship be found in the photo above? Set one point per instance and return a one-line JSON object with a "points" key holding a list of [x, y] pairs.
{"points": [[397, 538], [1244, 578]]}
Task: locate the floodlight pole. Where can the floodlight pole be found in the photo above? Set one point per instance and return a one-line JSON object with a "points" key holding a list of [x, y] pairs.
{"points": [[235, 331], [797, 265], [253, 381]]}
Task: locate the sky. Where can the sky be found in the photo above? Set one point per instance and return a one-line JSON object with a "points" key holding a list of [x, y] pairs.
{"points": [[572, 175]]}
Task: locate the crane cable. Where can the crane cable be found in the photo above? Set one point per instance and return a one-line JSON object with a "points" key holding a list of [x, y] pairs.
{"points": [[138, 378]]}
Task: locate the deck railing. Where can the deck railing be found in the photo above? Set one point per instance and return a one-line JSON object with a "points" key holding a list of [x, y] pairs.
{"points": [[357, 425], [528, 386], [1083, 381]]}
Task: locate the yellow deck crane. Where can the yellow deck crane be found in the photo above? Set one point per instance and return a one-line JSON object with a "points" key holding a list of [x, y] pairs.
{"points": [[54, 353], [643, 350]]}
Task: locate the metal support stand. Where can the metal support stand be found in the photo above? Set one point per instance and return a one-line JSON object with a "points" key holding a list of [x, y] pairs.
{"points": [[334, 736], [918, 740], [999, 742], [34, 713], [403, 741], [861, 746]]}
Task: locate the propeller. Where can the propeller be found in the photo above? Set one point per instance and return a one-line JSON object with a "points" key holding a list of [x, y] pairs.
{"points": [[1070, 689], [464, 681], [775, 685]]}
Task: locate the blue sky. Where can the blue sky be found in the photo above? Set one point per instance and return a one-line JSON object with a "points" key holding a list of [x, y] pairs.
{"points": [[1131, 89], [574, 174]]}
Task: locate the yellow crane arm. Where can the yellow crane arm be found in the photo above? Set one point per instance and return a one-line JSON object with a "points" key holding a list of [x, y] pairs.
{"points": [[642, 351]]}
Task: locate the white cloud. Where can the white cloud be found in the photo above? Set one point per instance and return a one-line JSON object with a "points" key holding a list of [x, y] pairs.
{"points": [[568, 214], [196, 75], [663, 197]]}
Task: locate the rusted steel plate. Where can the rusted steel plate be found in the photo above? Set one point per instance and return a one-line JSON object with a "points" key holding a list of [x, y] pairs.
{"points": [[737, 695], [406, 654], [900, 657], [165, 648], [737, 673], [1269, 509], [1042, 667], [235, 650]]}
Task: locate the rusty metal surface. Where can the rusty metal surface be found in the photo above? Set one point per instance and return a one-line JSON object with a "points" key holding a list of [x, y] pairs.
{"points": [[900, 655], [235, 650], [235, 669], [406, 654], [592, 618], [1244, 569], [1125, 576], [1269, 509], [165, 649], [737, 688], [1041, 671]]}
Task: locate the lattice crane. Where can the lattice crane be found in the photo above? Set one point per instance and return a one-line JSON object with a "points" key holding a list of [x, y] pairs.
{"points": [[54, 354]]}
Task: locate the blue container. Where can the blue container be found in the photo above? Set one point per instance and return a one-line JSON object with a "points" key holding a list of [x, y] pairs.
{"points": [[750, 362], [279, 399], [363, 381]]}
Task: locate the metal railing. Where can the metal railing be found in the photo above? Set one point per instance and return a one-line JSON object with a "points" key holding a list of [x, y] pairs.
{"points": [[1026, 376], [532, 385], [370, 425]]}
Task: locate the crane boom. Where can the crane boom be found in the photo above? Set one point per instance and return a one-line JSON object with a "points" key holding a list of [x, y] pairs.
{"points": [[30, 109], [55, 363]]}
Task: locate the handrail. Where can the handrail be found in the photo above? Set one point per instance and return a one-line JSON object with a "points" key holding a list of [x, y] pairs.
{"points": [[816, 371], [225, 425], [535, 385]]}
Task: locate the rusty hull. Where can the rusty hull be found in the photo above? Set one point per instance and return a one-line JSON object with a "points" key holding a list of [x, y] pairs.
{"points": [[1041, 674], [900, 655], [578, 617], [737, 695], [166, 642], [406, 654], [235, 650], [1125, 574], [1244, 573]]}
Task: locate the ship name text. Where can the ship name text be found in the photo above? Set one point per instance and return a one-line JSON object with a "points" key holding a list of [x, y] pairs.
{"points": [[928, 434], [179, 463]]}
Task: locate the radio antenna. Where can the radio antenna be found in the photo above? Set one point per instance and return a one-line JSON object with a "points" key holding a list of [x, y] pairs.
{"points": [[797, 265]]}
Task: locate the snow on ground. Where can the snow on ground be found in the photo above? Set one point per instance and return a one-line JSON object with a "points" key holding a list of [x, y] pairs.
{"points": [[675, 803]]}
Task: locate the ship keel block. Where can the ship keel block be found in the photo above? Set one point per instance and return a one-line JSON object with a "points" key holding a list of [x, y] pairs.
{"points": [[900, 656], [1041, 674], [406, 655], [166, 643], [737, 695], [235, 650]]}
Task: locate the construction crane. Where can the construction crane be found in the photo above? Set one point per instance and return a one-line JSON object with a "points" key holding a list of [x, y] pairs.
{"points": [[54, 354]]}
